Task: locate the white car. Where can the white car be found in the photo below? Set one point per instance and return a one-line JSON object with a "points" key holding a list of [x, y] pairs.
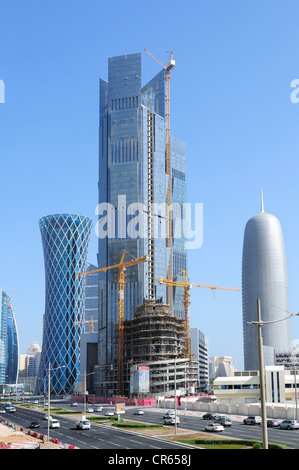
{"points": [[90, 410], [168, 413], [138, 412], [98, 408], [54, 423], [109, 413], [214, 427], [83, 424], [172, 420], [74, 403]]}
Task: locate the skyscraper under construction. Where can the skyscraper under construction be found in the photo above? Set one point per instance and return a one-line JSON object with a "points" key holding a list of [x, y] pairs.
{"points": [[134, 187]]}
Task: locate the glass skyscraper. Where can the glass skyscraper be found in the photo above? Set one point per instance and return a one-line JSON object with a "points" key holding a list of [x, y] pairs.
{"points": [[264, 277], [12, 346], [9, 345], [65, 239], [133, 184]]}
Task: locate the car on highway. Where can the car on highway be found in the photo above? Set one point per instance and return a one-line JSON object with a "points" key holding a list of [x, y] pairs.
{"points": [[2, 411], [209, 416], [54, 423], [12, 409], [83, 424], [138, 412], [224, 420], [98, 408], [34, 424], [109, 413], [289, 424], [272, 423], [215, 427], [168, 413], [252, 420], [74, 403], [172, 420]]}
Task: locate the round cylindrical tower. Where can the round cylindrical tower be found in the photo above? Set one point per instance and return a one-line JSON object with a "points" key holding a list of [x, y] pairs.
{"points": [[65, 239], [264, 277]]}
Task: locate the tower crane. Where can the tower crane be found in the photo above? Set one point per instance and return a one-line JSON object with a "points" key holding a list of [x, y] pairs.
{"points": [[187, 286], [90, 322], [167, 68], [121, 286]]}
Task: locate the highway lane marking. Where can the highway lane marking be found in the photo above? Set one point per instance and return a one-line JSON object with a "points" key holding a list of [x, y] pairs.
{"points": [[113, 443]]}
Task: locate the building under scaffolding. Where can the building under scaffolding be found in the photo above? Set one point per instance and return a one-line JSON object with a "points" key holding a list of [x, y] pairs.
{"points": [[154, 338], [153, 334], [288, 359], [167, 376]]}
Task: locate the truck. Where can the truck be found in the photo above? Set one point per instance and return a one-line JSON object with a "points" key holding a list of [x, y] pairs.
{"points": [[83, 423]]}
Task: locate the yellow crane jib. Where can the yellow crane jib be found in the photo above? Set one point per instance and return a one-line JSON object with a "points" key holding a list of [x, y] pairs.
{"points": [[187, 286]]}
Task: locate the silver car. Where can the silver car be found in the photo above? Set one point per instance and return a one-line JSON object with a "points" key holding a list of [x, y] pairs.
{"points": [[289, 424], [252, 420], [217, 427]]}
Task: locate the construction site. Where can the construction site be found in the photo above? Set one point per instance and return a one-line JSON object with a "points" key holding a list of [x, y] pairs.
{"points": [[149, 352]]}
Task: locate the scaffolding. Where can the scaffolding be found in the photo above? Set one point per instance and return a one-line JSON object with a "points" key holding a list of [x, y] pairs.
{"points": [[153, 334]]}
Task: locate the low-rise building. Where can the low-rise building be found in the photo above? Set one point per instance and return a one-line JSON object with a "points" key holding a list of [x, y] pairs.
{"points": [[244, 386]]}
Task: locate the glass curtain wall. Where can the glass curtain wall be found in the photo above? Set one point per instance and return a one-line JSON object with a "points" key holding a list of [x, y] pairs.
{"points": [[65, 239]]}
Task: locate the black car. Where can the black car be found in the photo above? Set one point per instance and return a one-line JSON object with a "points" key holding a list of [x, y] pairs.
{"points": [[209, 416], [34, 424]]}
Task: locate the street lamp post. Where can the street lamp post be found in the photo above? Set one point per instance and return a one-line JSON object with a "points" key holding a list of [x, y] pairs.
{"points": [[295, 383], [262, 376], [175, 398], [85, 391], [49, 396]]}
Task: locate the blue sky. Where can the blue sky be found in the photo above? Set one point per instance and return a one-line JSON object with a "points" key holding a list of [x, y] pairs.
{"points": [[230, 103]]}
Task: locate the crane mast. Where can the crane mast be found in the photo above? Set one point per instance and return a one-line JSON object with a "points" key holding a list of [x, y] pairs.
{"points": [[167, 69]]}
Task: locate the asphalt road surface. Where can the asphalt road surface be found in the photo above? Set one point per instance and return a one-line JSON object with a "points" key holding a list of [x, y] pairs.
{"points": [[102, 437], [98, 437]]}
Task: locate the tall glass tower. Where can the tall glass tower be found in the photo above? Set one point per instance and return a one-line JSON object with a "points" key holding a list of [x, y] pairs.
{"points": [[12, 346], [264, 277], [65, 239], [9, 345], [133, 184]]}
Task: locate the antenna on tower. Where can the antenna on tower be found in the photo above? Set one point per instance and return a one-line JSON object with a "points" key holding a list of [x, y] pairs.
{"points": [[262, 200]]}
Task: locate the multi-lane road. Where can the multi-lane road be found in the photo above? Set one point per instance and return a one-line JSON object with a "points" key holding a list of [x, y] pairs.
{"points": [[194, 422], [104, 437], [98, 437]]}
